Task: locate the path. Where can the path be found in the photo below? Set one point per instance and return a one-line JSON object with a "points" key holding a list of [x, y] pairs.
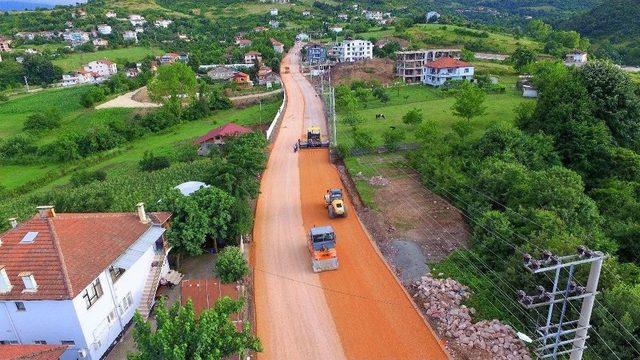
{"points": [[126, 100], [359, 311]]}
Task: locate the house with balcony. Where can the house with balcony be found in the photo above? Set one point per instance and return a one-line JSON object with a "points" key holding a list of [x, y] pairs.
{"points": [[576, 58], [314, 53], [410, 64], [438, 72], [353, 50], [76, 279], [252, 57]]}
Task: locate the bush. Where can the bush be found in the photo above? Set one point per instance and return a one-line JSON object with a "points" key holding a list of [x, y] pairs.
{"points": [[42, 121], [392, 138], [231, 265], [85, 177], [94, 95], [151, 162], [413, 117]]}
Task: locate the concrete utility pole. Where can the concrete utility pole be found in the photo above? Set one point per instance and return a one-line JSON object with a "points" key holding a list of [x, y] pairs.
{"points": [[26, 83], [558, 333]]}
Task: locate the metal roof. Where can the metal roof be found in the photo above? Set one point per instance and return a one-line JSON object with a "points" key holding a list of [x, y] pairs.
{"points": [[320, 230]]}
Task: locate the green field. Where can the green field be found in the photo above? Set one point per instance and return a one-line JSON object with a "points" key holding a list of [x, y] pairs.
{"points": [[75, 61], [123, 159], [429, 35], [435, 105]]}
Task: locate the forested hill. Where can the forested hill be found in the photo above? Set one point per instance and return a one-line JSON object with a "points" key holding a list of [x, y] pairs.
{"points": [[614, 28]]}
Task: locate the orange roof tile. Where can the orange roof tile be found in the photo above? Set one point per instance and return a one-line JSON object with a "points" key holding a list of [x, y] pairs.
{"points": [[447, 62], [31, 352]]}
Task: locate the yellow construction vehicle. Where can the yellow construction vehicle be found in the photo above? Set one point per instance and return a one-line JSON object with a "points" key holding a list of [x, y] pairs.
{"points": [[322, 246], [334, 203], [314, 139]]}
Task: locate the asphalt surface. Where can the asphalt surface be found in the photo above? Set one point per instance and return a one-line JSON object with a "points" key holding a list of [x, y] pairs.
{"points": [[359, 311]]}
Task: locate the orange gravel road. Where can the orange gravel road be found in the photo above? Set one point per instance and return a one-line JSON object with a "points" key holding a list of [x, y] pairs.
{"points": [[359, 311]]}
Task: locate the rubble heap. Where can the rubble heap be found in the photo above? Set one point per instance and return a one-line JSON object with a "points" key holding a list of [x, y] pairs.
{"points": [[379, 181], [442, 300]]}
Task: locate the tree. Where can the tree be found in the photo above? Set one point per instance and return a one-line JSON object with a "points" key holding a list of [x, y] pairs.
{"points": [[392, 138], [94, 95], [413, 117], [231, 265], [173, 83], [40, 70], [522, 57], [362, 139], [151, 162], [47, 120], [181, 335], [380, 94], [469, 101]]}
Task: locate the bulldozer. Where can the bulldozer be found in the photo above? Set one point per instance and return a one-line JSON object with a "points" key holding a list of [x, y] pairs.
{"points": [[334, 203], [322, 246], [313, 140]]}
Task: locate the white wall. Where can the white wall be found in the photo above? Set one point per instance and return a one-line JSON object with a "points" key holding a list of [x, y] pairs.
{"points": [[48, 320], [99, 334]]}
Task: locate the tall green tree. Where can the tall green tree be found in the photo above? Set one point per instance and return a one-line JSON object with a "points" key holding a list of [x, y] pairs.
{"points": [[172, 84], [469, 101], [522, 57], [180, 334]]}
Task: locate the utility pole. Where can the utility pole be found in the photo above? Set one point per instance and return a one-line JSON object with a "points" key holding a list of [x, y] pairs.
{"points": [[26, 83], [558, 332]]}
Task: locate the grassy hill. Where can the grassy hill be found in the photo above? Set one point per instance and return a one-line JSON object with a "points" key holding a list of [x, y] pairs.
{"points": [[614, 29]]}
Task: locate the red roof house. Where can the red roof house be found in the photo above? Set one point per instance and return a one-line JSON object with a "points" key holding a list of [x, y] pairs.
{"points": [[217, 136], [31, 352], [444, 69]]}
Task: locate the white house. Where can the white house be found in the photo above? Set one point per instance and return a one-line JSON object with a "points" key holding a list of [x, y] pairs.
{"points": [[111, 14], [273, 12], [302, 37], [130, 36], [432, 16], [101, 68], [353, 50], [137, 20], [252, 57], [104, 29], [336, 29], [439, 71], [163, 23], [77, 78], [274, 23], [77, 279], [576, 58], [76, 38], [278, 47], [306, 13], [100, 42], [343, 16], [373, 15]]}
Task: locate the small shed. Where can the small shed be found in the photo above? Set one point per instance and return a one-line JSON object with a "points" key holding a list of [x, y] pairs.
{"points": [[217, 136]]}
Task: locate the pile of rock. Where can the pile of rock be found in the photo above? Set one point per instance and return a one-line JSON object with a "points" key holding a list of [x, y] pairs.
{"points": [[442, 300], [379, 181]]}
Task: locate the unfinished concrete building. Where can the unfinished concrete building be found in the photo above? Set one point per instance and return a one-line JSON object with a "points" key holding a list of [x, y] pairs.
{"points": [[410, 64]]}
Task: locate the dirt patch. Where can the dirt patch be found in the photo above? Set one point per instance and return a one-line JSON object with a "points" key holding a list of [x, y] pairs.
{"points": [[142, 95], [381, 70]]}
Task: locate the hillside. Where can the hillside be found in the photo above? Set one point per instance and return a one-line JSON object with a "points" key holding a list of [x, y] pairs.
{"points": [[613, 28]]}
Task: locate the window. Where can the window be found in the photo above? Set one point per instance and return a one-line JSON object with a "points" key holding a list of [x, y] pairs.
{"points": [[40, 342], [67, 342], [126, 303], [8, 342], [466, 70], [29, 281], [111, 318], [20, 306], [92, 293], [115, 272]]}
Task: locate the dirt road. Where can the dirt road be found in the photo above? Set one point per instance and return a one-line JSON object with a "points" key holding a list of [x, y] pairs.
{"points": [[359, 311]]}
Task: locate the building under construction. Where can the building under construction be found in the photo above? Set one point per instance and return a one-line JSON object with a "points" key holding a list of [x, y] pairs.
{"points": [[410, 64]]}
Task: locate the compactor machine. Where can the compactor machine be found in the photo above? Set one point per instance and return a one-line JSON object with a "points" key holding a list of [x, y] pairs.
{"points": [[322, 246], [334, 203]]}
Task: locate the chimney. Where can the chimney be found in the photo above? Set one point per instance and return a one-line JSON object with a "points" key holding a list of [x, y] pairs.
{"points": [[13, 222], [46, 211], [142, 214]]}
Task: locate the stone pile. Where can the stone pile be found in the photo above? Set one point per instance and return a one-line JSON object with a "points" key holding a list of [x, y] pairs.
{"points": [[442, 300], [379, 181]]}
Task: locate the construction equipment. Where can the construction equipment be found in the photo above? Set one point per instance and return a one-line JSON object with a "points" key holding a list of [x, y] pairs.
{"points": [[314, 139], [322, 245], [334, 203]]}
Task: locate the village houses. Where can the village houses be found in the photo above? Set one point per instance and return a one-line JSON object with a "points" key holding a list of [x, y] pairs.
{"points": [[76, 280], [353, 50], [411, 64], [4, 44], [130, 36], [104, 29], [252, 57], [137, 20], [278, 47], [438, 72], [163, 23], [93, 72]]}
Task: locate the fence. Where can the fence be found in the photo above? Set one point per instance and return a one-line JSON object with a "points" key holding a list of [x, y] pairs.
{"points": [[277, 118]]}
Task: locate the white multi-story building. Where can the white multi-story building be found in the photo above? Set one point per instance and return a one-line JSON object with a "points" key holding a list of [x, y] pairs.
{"points": [[101, 68], [163, 23], [353, 50], [410, 64], [77, 279], [77, 78], [104, 29], [137, 20], [444, 69]]}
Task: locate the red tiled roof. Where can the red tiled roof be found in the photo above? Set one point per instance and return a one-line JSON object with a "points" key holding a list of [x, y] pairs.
{"points": [[69, 251], [31, 352], [447, 62], [275, 42], [230, 129]]}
